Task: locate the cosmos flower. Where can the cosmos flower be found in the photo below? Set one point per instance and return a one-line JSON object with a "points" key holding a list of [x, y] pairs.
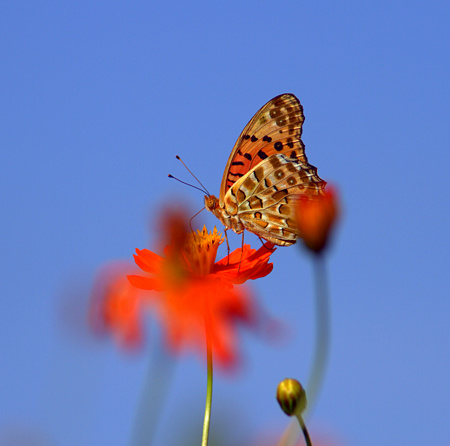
{"points": [[186, 288], [116, 305], [315, 217]]}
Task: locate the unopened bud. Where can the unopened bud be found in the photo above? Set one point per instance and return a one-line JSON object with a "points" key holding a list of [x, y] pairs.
{"points": [[291, 396], [315, 217]]}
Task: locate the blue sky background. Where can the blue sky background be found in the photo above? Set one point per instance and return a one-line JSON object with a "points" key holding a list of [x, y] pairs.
{"points": [[97, 98]]}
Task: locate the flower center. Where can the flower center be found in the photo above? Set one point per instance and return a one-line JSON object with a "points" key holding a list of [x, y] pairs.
{"points": [[201, 250]]}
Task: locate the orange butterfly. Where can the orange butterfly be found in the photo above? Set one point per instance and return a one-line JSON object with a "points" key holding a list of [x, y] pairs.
{"points": [[266, 173]]}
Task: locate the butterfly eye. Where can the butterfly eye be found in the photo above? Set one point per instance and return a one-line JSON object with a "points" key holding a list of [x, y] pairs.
{"points": [[281, 121], [291, 181], [210, 202], [279, 175]]}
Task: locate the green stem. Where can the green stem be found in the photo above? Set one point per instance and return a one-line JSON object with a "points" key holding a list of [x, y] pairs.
{"points": [[322, 332], [304, 430], [209, 386]]}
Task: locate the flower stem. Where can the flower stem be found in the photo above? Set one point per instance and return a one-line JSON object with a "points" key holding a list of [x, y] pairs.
{"points": [[304, 430], [322, 332], [209, 385]]}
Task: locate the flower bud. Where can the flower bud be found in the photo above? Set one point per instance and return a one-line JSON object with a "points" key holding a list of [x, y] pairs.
{"points": [[315, 217], [291, 396]]}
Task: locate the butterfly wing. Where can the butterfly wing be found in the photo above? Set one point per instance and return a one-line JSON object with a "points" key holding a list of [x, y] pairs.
{"points": [[264, 199], [275, 129]]}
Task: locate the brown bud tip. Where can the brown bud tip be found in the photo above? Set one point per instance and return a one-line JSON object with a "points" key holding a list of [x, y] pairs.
{"points": [[291, 396]]}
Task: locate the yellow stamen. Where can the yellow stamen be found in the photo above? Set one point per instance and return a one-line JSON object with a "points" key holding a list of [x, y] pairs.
{"points": [[201, 249]]}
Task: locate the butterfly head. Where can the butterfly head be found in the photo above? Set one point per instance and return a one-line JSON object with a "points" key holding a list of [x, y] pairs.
{"points": [[211, 202]]}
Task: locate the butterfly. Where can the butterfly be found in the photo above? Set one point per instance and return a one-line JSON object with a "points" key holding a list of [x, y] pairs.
{"points": [[266, 173]]}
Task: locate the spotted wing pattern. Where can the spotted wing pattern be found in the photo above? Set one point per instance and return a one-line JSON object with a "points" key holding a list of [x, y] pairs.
{"points": [[264, 198], [275, 129]]}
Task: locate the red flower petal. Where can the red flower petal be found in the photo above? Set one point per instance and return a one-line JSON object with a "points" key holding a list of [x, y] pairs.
{"points": [[145, 283], [249, 265], [147, 260]]}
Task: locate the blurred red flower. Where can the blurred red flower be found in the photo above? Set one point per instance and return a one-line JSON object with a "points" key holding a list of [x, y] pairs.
{"points": [[315, 217], [116, 305], [187, 288], [184, 288]]}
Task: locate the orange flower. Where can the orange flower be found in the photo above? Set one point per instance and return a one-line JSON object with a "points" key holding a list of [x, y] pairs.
{"points": [[315, 218], [116, 305], [189, 289]]}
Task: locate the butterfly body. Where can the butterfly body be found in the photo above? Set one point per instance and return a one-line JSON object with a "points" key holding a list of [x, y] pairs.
{"points": [[265, 174]]}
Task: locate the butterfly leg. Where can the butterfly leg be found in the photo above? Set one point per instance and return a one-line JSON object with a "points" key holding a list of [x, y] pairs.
{"points": [[228, 246], [190, 220], [242, 250], [263, 243]]}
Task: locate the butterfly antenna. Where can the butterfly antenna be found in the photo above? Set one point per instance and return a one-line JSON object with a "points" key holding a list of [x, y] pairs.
{"points": [[187, 184], [199, 182], [192, 218]]}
